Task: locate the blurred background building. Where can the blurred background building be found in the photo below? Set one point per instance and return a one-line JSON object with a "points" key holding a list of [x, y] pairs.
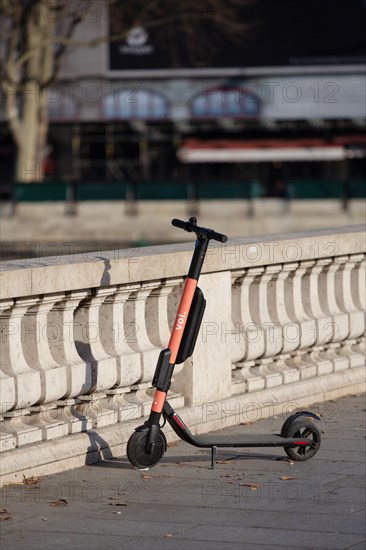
{"points": [[278, 113], [284, 105]]}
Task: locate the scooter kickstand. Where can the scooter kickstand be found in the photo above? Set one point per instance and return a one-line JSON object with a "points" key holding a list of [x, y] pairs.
{"points": [[213, 453]]}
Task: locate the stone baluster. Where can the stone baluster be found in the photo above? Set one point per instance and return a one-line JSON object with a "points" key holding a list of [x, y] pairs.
{"points": [[360, 291], [250, 327], [27, 380], [160, 312], [323, 324], [251, 341], [329, 290], [352, 300], [264, 310], [7, 380], [323, 306], [120, 333], [361, 284], [264, 304], [235, 333], [352, 291], [135, 316], [38, 336], [89, 334], [307, 326], [281, 308], [63, 346], [238, 343]]}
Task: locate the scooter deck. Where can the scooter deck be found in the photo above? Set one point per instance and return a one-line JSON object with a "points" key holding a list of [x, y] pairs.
{"points": [[256, 440], [230, 440]]}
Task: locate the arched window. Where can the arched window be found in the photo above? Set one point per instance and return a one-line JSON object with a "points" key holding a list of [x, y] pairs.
{"points": [[225, 102], [132, 103]]}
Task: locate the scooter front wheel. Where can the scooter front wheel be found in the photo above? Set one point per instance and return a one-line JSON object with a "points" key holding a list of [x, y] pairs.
{"points": [[136, 450]]}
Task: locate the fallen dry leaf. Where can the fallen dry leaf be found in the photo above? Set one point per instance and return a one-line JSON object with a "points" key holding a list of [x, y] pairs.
{"points": [[252, 486], [60, 502], [31, 480], [223, 461], [286, 478], [4, 514], [117, 504], [168, 535], [172, 444]]}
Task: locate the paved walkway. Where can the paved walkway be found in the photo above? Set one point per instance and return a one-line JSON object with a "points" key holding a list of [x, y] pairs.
{"points": [[252, 500]]}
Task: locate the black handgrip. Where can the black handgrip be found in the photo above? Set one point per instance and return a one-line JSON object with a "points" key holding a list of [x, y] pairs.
{"points": [[217, 236], [181, 224]]}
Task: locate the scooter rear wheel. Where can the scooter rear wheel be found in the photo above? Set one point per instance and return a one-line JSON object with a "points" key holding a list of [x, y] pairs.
{"points": [[136, 450], [302, 427]]}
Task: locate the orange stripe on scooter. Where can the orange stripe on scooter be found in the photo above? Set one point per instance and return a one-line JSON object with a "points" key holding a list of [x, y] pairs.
{"points": [[181, 318], [158, 402]]}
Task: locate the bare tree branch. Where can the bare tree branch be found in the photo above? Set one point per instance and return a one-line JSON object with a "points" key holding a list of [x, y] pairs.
{"points": [[66, 41], [60, 52], [35, 35]]}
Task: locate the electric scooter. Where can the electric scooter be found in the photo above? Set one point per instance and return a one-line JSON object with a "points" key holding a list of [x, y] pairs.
{"points": [[299, 435]]}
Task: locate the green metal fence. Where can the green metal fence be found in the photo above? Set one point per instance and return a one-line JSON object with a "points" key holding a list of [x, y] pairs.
{"points": [[181, 190]]}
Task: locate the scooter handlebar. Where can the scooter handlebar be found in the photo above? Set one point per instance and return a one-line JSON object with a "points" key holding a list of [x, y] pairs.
{"points": [[200, 231], [217, 236], [181, 224]]}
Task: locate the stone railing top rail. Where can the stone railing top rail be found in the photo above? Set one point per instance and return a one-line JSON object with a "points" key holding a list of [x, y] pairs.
{"points": [[50, 275]]}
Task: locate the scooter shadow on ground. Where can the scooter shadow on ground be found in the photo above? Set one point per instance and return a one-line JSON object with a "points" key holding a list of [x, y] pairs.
{"points": [[202, 458]]}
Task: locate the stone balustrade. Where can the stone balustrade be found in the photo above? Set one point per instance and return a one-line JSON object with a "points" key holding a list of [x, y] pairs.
{"points": [[80, 336]]}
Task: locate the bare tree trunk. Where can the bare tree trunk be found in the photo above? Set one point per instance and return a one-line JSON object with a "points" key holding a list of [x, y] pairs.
{"points": [[34, 117], [43, 124], [29, 165]]}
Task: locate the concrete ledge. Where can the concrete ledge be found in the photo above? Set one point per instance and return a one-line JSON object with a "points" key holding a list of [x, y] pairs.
{"points": [[21, 278], [87, 448]]}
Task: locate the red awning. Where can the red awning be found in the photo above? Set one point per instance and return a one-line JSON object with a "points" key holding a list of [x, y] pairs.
{"points": [[271, 150]]}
